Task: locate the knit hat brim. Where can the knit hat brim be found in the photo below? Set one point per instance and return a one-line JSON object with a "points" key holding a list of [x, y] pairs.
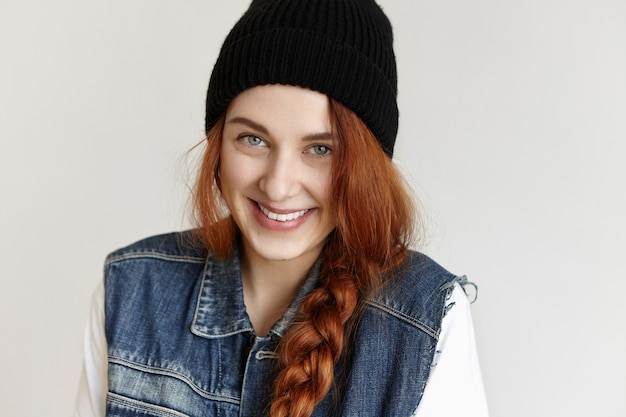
{"points": [[363, 79]]}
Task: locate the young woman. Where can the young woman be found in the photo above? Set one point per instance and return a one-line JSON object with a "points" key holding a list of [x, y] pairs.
{"points": [[296, 295]]}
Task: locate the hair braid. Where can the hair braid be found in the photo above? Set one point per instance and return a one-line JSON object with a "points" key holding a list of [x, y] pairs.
{"points": [[313, 345]]}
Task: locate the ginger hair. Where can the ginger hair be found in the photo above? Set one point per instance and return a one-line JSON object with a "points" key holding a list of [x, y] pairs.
{"points": [[375, 219]]}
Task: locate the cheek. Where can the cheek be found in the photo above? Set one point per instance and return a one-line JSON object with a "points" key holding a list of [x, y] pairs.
{"points": [[230, 177], [321, 187], [238, 175], [226, 177]]}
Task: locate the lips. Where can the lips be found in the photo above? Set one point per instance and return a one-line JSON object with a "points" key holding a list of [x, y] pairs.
{"points": [[282, 217]]}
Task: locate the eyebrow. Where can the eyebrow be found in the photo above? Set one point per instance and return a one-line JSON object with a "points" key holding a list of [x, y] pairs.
{"points": [[260, 128]]}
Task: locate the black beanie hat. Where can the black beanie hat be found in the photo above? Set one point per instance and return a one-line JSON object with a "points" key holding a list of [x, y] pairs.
{"points": [[342, 48]]}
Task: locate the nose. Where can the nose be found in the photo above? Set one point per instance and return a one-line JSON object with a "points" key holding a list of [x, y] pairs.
{"points": [[281, 177]]}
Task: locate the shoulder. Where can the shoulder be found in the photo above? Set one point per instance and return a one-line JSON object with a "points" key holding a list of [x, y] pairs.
{"points": [[139, 279], [185, 246], [416, 292], [173, 260], [417, 278], [420, 270]]}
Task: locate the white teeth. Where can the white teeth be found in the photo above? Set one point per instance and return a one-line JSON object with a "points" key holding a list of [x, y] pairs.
{"points": [[282, 217]]}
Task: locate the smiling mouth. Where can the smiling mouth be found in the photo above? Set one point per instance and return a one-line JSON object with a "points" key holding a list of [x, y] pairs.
{"points": [[283, 217]]}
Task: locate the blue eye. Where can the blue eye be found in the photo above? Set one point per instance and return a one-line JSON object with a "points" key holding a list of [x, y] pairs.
{"points": [[252, 140], [320, 150]]}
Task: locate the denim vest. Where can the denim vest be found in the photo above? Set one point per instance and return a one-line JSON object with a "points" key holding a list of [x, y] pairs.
{"points": [[181, 343]]}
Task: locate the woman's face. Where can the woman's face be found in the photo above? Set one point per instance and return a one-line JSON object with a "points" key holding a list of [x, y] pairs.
{"points": [[275, 172]]}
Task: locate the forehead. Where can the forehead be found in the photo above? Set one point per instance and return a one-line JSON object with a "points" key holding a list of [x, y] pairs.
{"points": [[282, 108]]}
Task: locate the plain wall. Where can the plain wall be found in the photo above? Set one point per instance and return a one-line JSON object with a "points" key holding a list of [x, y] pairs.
{"points": [[512, 131]]}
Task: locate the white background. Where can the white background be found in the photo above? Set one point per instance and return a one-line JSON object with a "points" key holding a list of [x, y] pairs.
{"points": [[513, 123]]}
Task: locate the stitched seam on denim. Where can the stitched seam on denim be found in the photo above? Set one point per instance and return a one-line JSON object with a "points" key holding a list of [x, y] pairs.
{"points": [[408, 319], [154, 255], [266, 354], [143, 406], [198, 332], [176, 375]]}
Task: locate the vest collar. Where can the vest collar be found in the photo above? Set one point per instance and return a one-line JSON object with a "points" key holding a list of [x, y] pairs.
{"points": [[220, 309]]}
